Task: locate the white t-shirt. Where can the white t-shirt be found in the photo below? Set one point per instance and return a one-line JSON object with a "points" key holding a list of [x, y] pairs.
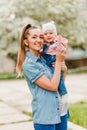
{"points": [[63, 104]]}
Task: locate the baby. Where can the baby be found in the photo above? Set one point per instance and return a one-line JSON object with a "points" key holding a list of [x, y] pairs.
{"points": [[52, 44]]}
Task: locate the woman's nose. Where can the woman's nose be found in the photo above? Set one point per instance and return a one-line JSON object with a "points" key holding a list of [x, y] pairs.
{"points": [[38, 39]]}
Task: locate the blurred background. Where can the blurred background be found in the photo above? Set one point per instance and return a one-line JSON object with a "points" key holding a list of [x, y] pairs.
{"points": [[70, 17]]}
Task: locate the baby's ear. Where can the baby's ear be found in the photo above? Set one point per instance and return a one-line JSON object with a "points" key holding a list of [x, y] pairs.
{"points": [[26, 42]]}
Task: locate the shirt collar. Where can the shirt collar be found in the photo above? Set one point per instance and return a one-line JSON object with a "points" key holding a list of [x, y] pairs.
{"points": [[34, 58], [30, 55]]}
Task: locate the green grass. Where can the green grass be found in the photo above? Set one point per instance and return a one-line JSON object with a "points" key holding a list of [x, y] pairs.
{"points": [[77, 70], [7, 75], [78, 113]]}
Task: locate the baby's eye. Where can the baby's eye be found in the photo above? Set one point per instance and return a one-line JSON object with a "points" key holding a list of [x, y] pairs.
{"points": [[51, 33]]}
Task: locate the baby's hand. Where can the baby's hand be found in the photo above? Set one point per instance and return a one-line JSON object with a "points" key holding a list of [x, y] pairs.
{"points": [[57, 40], [64, 67], [53, 64], [62, 40]]}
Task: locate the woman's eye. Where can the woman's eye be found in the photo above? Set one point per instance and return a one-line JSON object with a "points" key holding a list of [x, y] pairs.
{"points": [[33, 37], [42, 37]]}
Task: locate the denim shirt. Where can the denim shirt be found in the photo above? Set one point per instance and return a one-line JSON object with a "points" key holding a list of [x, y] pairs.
{"points": [[45, 104]]}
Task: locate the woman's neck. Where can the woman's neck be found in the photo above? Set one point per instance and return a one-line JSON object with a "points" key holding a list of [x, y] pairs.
{"points": [[36, 53]]}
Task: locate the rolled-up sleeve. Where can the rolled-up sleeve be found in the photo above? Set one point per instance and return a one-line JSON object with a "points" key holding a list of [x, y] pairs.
{"points": [[32, 71]]}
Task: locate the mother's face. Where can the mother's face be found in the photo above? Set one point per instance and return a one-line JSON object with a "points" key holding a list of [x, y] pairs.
{"points": [[35, 40]]}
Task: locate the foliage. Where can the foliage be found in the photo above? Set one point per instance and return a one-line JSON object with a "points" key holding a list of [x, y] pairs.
{"points": [[78, 113], [66, 13]]}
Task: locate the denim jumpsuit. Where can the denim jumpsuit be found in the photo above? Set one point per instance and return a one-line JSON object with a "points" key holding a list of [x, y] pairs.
{"points": [[49, 59]]}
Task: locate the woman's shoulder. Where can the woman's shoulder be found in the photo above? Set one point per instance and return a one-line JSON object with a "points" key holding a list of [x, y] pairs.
{"points": [[30, 64], [27, 62]]}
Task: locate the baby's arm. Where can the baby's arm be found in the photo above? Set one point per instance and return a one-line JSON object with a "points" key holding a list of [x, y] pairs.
{"points": [[64, 69]]}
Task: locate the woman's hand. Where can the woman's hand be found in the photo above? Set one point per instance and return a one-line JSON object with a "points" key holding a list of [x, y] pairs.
{"points": [[60, 56]]}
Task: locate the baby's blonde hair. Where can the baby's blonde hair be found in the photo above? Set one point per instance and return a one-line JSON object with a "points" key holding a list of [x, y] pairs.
{"points": [[49, 26]]}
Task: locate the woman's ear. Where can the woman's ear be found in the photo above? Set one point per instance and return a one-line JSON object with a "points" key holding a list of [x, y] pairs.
{"points": [[26, 42]]}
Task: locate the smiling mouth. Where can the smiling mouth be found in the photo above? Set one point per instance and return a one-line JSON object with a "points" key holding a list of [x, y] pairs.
{"points": [[48, 38], [38, 45]]}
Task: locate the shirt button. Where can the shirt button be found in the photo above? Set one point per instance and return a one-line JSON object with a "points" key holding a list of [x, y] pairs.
{"points": [[56, 97], [57, 108]]}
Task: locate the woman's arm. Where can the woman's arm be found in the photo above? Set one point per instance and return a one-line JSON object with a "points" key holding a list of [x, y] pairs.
{"points": [[52, 84]]}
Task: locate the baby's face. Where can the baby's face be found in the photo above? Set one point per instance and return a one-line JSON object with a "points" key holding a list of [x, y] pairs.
{"points": [[49, 36]]}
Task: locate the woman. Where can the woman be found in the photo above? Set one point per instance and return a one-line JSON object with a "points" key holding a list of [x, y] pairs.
{"points": [[42, 84]]}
